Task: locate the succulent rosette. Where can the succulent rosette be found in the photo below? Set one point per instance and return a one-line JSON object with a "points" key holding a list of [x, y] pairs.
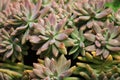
{"points": [[52, 69], [87, 10], [116, 17], [52, 36], [105, 39], [62, 9], [10, 46], [84, 34], [21, 15], [79, 43]]}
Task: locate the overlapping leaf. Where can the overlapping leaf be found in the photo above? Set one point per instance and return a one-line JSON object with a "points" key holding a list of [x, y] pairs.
{"points": [[53, 69], [52, 36]]}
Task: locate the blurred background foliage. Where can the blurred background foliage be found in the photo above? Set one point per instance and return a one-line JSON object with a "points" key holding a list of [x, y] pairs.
{"points": [[115, 5]]}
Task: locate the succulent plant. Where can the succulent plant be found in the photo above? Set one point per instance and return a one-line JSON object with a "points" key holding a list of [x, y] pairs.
{"points": [[62, 9], [21, 15], [92, 67], [117, 17], [91, 9], [79, 43], [105, 39], [57, 30], [50, 35], [10, 46], [52, 69]]}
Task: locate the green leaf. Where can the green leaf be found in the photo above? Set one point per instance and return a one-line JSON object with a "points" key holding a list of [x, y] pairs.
{"points": [[73, 50]]}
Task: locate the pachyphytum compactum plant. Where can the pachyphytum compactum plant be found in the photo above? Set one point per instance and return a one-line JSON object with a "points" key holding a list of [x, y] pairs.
{"points": [[59, 40]]}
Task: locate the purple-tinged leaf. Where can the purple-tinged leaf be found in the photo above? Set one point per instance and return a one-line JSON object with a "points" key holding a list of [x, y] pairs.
{"points": [[100, 37], [99, 51], [2, 50], [90, 48], [38, 6], [114, 42], [96, 27], [8, 54], [61, 36], [103, 13], [60, 25], [43, 37], [54, 51], [112, 48], [18, 48], [52, 19], [9, 46], [68, 31], [105, 53], [44, 47], [39, 73], [5, 33], [44, 11], [97, 43], [89, 36], [52, 65], [90, 24], [21, 28], [34, 39]]}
